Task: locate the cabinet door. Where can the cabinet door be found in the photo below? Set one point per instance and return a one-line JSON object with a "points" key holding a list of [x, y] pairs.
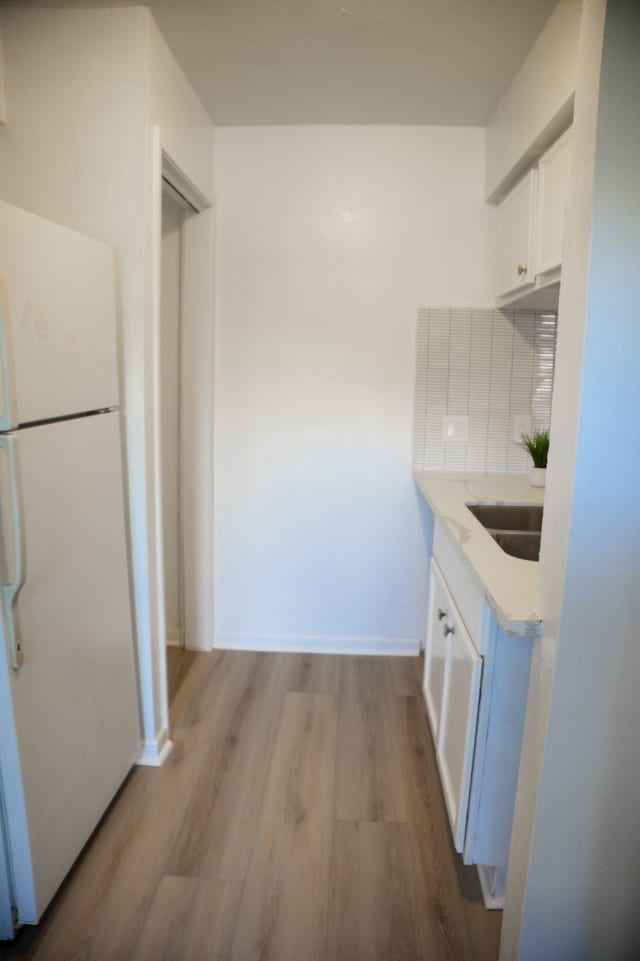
{"points": [[463, 672], [496, 760], [553, 188], [435, 650], [515, 249]]}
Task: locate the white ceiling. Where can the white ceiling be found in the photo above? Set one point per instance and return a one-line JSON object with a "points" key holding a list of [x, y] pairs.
{"points": [[347, 61]]}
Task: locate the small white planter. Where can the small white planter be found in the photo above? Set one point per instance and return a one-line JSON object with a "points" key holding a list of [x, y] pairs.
{"points": [[538, 476]]}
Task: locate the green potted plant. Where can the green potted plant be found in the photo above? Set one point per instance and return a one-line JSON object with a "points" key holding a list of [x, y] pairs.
{"points": [[537, 444]]}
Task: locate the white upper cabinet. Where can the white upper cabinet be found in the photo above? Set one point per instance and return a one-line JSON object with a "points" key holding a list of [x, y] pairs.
{"points": [[553, 187], [530, 232], [516, 237]]}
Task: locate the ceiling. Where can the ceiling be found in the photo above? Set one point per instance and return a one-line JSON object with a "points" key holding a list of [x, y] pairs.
{"points": [[347, 61]]}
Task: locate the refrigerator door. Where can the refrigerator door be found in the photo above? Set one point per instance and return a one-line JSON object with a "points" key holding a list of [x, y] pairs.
{"points": [[69, 715], [57, 321]]}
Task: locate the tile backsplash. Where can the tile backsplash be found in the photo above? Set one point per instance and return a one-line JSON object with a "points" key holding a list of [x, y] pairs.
{"points": [[481, 377]]}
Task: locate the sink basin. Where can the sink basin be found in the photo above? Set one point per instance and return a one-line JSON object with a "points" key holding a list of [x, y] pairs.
{"points": [[515, 527], [525, 545], [509, 517]]}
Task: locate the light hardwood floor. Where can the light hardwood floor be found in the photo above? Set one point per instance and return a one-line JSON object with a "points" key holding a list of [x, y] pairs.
{"points": [[298, 818]]}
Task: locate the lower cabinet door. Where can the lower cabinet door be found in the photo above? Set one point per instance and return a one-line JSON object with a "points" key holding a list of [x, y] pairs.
{"points": [[463, 672], [435, 650]]}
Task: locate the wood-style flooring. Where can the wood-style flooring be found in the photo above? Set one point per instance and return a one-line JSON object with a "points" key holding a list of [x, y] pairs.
{"points": [[298, 818]]}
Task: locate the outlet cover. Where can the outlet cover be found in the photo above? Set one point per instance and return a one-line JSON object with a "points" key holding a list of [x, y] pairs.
{"points": [[521, 425], [455, 428]]}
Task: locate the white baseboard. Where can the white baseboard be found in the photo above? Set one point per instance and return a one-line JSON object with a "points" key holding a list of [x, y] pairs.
{"points": [[311, 644], [155, 753], [174, 637], [493, 896]]}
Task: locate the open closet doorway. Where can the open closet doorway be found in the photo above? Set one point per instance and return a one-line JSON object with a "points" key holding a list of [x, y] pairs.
{"points": [[183, 413], [174, 211], [179, 398]]}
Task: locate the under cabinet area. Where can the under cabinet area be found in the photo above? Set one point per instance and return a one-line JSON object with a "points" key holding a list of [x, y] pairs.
{"points": [[475, 687]]}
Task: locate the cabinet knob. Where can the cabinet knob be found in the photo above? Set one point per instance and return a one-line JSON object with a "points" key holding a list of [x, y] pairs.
{"points": [[449, 629], [441, 614], [521, 270]]}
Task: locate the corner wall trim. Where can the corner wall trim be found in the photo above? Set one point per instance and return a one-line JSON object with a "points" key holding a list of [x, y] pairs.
{"points": [[493, 900], [155, 753], [311, 644]]}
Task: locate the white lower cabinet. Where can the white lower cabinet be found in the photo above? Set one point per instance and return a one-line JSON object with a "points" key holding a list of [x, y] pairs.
{"points": [[476, 706], [453, 669], [462, 690]]}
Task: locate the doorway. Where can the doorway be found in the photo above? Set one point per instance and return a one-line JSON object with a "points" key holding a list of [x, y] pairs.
{"points": [[174, 212], [183, 404], [193, 365]]}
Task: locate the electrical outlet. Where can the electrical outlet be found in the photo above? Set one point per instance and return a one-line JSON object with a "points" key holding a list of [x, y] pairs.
{"points": [[455, 428], [521, 425]]}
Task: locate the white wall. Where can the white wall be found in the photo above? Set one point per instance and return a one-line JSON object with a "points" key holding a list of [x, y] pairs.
{"points": [[538, 103], [573, 874], [329, 239], [187, 130], [84, 88], [172, 217]]}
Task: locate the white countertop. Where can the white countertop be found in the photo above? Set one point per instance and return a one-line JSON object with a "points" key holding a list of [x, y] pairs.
{"points": [[510, 585]]}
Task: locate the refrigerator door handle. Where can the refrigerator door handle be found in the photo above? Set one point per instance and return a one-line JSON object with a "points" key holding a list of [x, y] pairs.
{"points": [[11, 591]]}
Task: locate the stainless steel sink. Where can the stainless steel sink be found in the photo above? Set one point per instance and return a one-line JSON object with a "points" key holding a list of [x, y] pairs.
{"points": [[515, 527], [522, 544]]}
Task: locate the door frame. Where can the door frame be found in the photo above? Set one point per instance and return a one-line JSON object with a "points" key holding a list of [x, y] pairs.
{"points": [[186, 209], [154, 691]]}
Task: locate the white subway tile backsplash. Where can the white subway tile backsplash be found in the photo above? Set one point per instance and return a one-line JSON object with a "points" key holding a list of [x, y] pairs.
{"points": [[488, 366]]}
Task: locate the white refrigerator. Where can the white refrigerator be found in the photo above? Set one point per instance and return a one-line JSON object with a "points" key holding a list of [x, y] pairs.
{"points": [[69, 721]]}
